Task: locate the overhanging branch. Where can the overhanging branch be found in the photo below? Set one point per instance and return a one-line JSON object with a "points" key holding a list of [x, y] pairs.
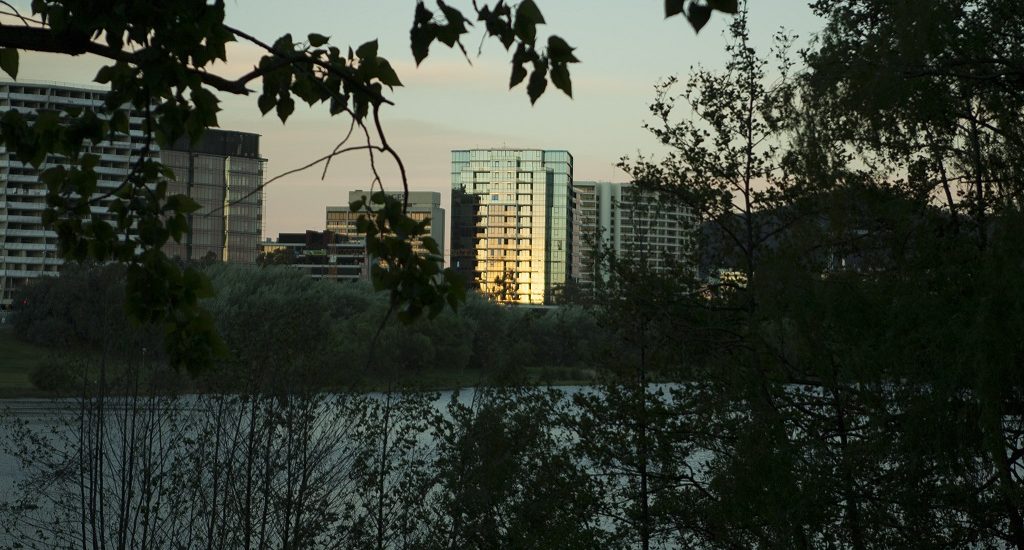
{"points": [[45, 40]]}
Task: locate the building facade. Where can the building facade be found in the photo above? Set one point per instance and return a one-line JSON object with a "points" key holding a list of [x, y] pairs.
{"points": [[27, 250], [423, 205], [511, 222], [320, 254], [223, 172], [620, 219]]}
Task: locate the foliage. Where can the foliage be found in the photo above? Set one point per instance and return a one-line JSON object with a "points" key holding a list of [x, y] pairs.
{"points": [[931, 96], [417, 282], [284, 256], [52, 376], [80, 310], [323, 330], [725, 160], [507, 478]]}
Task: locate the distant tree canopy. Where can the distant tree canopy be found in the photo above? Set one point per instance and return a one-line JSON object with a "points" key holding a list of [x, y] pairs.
{"points": [[276, 321], [162, 59]]}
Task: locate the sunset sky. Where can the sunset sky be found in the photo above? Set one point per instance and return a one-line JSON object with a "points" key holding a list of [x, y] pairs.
{"points": [[624, 48]]}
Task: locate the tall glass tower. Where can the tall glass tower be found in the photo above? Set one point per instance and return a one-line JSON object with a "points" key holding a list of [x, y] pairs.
{"points": [[510, 222]]}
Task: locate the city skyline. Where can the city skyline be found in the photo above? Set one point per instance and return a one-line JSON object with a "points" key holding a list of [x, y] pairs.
{"points": [[448, 104]]}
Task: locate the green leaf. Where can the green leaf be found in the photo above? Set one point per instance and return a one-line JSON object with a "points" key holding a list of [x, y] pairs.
{"points": [[9, 61], [266, 102], [206, 104], [528, 10], [317, 40], [431, 245], [727, 6], [560, 51], [285, 43], [386, 74], [119, 122], [367, 50], [285, 107], [698, 14], [456, 21], [560, 78], [538, 83], [674, 7], [306, 88], [104, 75], [528, 16], [423, 32], [181, 203], [518, 74]]}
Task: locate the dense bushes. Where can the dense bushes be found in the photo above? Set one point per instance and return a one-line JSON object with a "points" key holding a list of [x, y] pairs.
{"points": [[82, 309], [274, 319]]}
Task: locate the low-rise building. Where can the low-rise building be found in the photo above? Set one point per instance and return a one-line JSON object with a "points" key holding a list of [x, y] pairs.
{"points": [[320, 254], [423, 205]]}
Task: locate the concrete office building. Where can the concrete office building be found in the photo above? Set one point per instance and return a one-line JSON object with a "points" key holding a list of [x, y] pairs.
{"points": [[621, 219], [223, 173], [320, 254], [511, 222], [27, 250], [423, 205]]}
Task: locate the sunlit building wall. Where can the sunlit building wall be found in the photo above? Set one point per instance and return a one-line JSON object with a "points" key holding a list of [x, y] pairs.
{"points": [[27, 250], [511, 222], [223, 172], [619, 219]]}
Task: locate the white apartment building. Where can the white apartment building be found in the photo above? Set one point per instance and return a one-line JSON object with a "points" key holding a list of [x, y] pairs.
{"points": [[27, 250], [621, 219]]}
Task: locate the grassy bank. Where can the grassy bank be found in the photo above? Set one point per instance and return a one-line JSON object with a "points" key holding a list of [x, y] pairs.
{"points": [[17, 361]]}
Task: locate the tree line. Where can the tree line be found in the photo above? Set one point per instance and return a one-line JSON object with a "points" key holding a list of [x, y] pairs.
{"points": [[340, 335]]}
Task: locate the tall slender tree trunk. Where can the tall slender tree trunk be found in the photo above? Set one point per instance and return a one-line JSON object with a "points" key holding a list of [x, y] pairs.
{"points": [[643, 444], [853, 517], [979, 182], [382, 472]]}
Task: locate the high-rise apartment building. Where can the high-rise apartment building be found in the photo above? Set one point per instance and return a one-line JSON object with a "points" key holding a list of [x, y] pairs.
{"points": [[511, 222], [223, 172], [621, 219], [27, 250], [423, 205]]}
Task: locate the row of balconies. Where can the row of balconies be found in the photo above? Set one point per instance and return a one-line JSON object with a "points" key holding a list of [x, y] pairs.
{"points": [[47, 247], [19, 205], [510, 244], [30, 260], [34, 233], [27, 273], [15, 218], [36, 191]]}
